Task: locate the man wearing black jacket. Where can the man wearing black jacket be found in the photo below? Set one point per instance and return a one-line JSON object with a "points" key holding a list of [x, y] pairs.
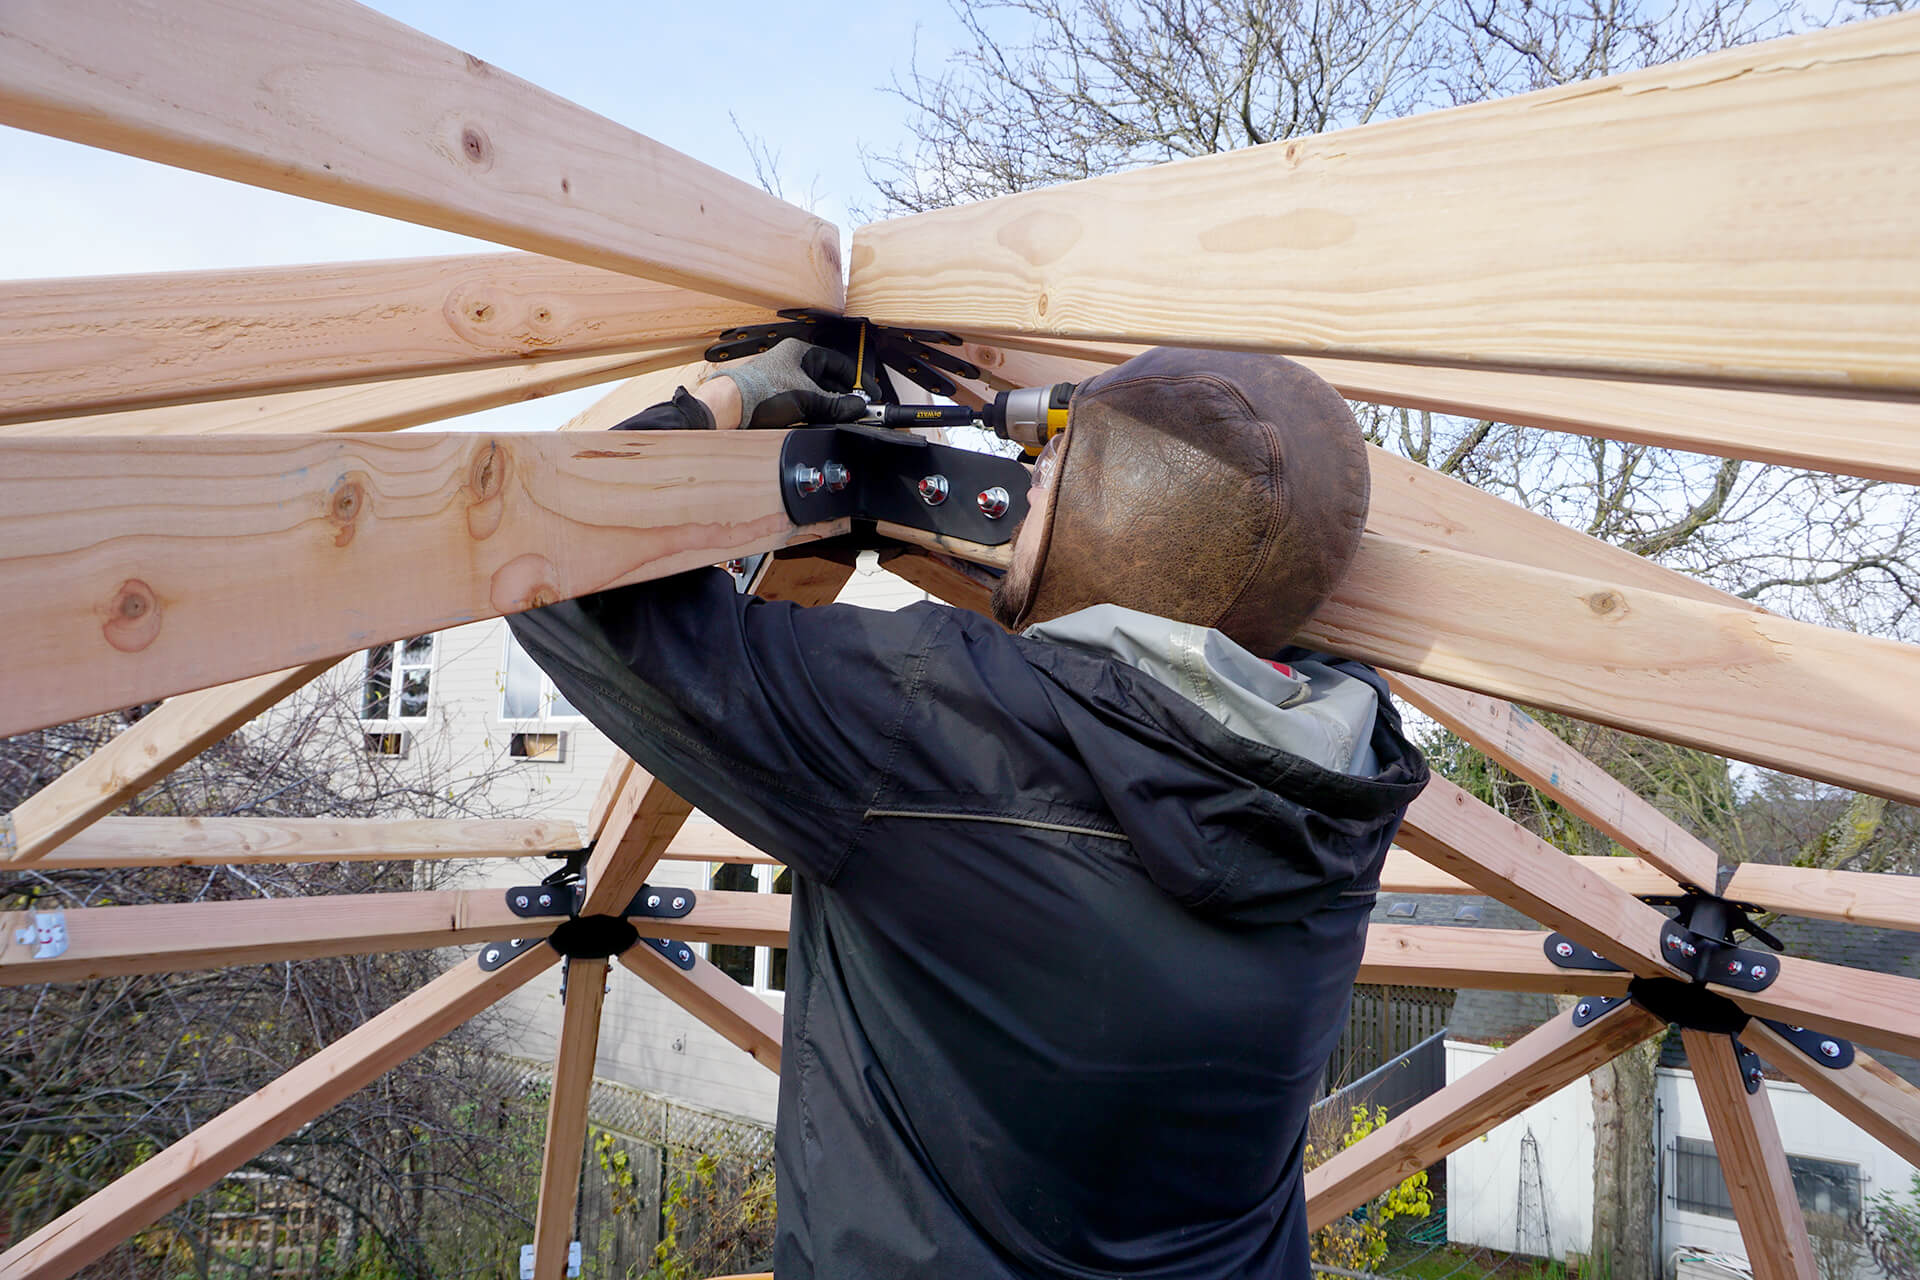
{"points": [[1078, 903]]}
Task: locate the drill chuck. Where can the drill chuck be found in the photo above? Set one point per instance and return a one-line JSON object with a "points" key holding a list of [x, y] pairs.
{"points": [[1030, 415]]}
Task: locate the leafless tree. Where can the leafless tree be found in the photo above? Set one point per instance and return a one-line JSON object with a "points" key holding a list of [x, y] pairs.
{"points": [[95, 1077]]}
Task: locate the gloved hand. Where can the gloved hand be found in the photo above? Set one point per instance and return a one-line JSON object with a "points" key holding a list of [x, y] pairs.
{"points": [[793, 383]]}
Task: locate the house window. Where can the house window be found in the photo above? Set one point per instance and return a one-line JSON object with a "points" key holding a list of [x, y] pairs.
{"points": [[528, 699], [1823, 1186], [761, 968], [394, 687]]}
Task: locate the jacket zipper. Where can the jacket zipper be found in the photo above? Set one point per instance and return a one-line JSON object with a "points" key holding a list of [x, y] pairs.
{"points": [[1005, 821]]}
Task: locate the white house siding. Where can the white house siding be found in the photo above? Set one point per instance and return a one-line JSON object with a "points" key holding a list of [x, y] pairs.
{"points": [[1483, 1177], [646, 1041]]}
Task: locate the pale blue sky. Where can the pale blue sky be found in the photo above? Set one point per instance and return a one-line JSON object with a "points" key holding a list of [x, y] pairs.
{"points": [[810, 83]]}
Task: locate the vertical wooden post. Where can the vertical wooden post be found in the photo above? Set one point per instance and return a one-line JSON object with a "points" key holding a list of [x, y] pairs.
{"points": [[1752, 1160], [567, 1117]]}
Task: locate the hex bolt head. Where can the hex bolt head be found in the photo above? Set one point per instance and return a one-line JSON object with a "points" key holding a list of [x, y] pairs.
{"points": [[1563, 949], [1759, 973], [493, 953], [1689, 949], [1733, 966], [933, 490], [837, 476], [1673, 943], [1830, 1048], [993, 502], [1582, 1008], [653, 899], [519, 899], [807, 479], [679, 902]]}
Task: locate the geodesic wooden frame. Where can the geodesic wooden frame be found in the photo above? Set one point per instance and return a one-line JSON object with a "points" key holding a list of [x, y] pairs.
{"points": [[1718, 255]]}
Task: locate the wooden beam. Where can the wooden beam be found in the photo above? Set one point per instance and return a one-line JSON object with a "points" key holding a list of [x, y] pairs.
{"points": [[1519, 742], [648, 815], [138, 1199], [435, 136], [1407, 873], [217, 842], [1535, 1067], [1850, 435], [139, 756], [710, 842], [175, 937], [1865, 1092], [619, 769], [1414, 955], [1752, 1161], [131, 569], [1839, 707], [1879, 1009], [567, 1117], [97, 344], [1466, 838], [377, 406], [1588, 227], [1878, 900], [747, 1021]]}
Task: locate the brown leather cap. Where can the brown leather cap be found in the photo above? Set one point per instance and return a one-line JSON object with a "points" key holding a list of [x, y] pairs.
{"points": [[1219, 488]]}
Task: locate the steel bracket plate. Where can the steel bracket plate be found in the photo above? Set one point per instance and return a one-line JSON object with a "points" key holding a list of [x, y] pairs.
{"points": [[884, 469]]}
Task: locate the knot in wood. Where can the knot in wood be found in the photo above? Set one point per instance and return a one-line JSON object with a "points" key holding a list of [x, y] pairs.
{"points": [[133, 617]]}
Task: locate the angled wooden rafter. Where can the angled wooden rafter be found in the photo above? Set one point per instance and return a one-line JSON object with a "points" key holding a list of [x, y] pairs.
{"points": [[1848, 435], [1841, 705], [297, 548], [743, 1018], [1444, 238], [436, 137], [141, 1197], [100, 344], [1865, 1091], [1516, 740], [148, 750], [1535, 1067], [375, 406]]}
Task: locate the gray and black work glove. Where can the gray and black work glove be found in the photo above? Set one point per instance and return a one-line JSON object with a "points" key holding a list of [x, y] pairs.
{"points": [[795, 382]]}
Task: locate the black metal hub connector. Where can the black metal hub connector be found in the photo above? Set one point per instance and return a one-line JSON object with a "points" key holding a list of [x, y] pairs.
{"points": [[1698, 942], [1829, 1051], [871, 348], [1568, 954], [1593, 1008], [872, 473], [596, 937], [495, 954]]}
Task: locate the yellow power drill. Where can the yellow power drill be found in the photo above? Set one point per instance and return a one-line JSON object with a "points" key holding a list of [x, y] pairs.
{"points": [[1029, 416]]}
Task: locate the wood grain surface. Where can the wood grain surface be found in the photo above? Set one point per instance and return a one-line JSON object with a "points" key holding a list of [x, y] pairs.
{"points": [[332, 101], [103, 343], [133, 569], [1725, 219]]}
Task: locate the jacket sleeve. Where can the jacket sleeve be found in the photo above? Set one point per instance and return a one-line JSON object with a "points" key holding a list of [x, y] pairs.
{"points": [[776, 720]]}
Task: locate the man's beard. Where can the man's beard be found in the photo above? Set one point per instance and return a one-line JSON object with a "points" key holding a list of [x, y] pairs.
{"points": [[1012, 593]]}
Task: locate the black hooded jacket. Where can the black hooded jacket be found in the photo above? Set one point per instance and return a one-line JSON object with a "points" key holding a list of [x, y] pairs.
{"points": [[1067, 955]]}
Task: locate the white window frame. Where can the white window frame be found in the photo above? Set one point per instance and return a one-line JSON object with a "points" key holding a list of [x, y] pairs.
{"points": [[394, 722], [764, 874], [546, 721]]}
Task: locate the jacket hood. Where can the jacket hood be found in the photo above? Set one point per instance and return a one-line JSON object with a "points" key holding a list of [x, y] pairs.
{"points": [[1251, 791]]}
